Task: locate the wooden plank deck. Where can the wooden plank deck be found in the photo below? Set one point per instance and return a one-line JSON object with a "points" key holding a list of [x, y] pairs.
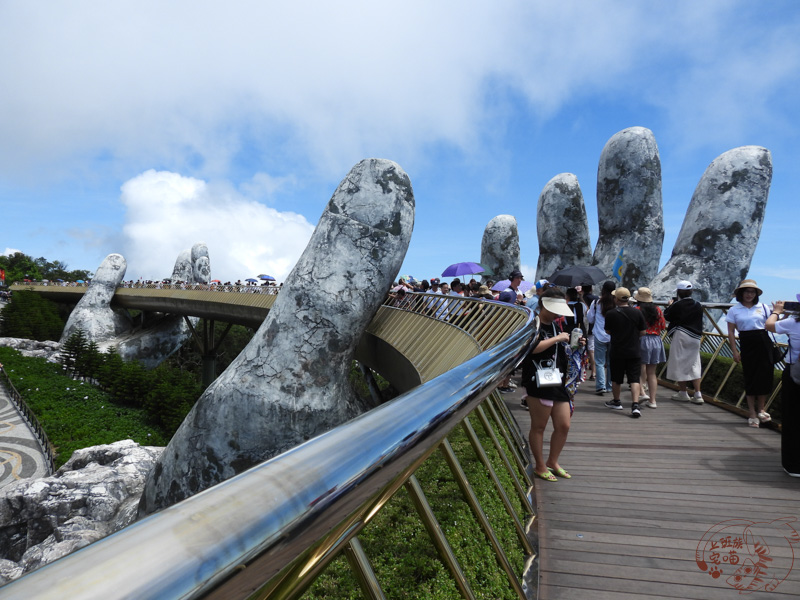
{"points": [[645, 491]]}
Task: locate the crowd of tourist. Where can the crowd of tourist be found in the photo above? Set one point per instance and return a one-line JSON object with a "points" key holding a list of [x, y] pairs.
{"points": [[620, 341]]}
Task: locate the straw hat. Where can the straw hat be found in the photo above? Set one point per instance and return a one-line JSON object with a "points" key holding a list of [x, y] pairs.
{"points": [[484, 292], [622, 294], [643, 294], [749, 283]]}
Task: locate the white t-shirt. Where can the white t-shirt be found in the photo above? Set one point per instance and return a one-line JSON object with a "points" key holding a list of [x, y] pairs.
{"points": [[596, 317], [791, 327], [748, 319]]}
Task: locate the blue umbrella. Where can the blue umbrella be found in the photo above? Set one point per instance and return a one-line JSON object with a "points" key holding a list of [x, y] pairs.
{"points": [[462, 268], [252, 279], [267, 277]]}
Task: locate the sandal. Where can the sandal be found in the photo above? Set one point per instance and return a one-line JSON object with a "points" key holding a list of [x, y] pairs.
{"points": [[560, 472], [764, 417], [548, 476], [752, 422]]}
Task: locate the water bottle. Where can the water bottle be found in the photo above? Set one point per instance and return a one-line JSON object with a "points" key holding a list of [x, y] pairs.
{"points": [[574, 337]]}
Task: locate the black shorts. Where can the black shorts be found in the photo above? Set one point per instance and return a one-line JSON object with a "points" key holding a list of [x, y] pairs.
{"points": [[624, 365]]}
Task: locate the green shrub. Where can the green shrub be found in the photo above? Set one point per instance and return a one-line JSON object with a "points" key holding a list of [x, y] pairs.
{"points": [[75, 414], [32, 317]]}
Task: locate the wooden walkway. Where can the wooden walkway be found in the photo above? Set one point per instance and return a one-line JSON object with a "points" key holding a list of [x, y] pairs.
{"points": [[647, 492]]}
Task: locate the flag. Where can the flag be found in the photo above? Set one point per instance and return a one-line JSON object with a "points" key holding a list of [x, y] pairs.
{"points": [[618, 267], [3, 274]]}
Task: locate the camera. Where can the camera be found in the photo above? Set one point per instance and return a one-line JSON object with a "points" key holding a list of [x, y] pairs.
{"points": [[792, 307]]}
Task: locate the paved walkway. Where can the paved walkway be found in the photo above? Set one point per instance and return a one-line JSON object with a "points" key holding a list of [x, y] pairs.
{"points": [[645, 507], [21, 455]]}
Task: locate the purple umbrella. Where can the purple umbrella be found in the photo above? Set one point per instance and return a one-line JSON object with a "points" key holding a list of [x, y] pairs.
{"points": [[524, 286], [462, 268]]}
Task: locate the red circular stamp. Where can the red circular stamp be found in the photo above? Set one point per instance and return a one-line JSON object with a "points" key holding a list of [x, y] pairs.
{"points": [[749, 555]]}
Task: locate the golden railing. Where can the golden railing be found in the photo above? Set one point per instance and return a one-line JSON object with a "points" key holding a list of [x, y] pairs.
{"points": [[271, 531]]}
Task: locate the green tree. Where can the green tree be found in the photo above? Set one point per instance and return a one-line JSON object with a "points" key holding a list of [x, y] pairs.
{"points": [[30, 316]]}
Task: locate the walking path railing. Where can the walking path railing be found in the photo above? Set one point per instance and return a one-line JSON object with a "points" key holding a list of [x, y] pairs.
{"points": [[269, 532], [30, 419]]}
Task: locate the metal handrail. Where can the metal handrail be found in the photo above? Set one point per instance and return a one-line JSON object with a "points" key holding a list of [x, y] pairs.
{"points": [[270, 529], [33, 423]]}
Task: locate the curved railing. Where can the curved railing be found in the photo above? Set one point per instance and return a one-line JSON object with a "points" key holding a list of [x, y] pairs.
{"points": [[32, 421], [268, 532]]}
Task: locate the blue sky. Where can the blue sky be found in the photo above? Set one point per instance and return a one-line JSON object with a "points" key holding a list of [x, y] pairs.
{"points": [[143, 127]]}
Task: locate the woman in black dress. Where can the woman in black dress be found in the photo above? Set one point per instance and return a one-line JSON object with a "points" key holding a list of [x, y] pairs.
{"points": [[545, 403]]}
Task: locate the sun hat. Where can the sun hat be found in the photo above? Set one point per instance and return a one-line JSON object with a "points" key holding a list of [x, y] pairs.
{"points": [[643, 294], [749, 283], [622, 294], [484, 292], [685, 285], [558, 306]]}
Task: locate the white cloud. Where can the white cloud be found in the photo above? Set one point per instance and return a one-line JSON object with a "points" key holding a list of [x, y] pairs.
{"points": [[167, 213], [10, 251], [193, 86]]}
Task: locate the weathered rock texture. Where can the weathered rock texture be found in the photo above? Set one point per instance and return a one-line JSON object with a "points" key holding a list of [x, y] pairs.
{"points": [[93, 495], [629, 208], [94, 314], [721, 228], [290, 382], [561, 226], [500, 247], [150, 342], [33, 349]]}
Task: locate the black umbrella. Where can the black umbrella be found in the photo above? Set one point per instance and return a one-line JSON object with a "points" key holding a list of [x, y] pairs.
{"points": [[577, 275]]}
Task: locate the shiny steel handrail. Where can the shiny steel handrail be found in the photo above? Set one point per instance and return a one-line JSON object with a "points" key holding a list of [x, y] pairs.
{"points": [[228, 541]]}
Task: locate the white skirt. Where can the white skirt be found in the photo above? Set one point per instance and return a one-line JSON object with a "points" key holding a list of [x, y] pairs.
{"points": [[683, 363]]}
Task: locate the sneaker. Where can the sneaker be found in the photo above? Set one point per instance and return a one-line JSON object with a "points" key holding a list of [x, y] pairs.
{"points": [[524, 402], [650, 404], [512, 385], [613, 404], [644, 397], [764, 417], [680, 396], [505, 390], [600, 393], [635, 412], [697, 399]]}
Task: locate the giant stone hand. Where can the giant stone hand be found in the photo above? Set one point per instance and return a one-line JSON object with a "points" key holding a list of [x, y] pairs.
{"points": [[290, 382], [719, 233], [150, 342]]}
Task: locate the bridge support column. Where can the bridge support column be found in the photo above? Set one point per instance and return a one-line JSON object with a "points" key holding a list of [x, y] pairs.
{"points": [[208, 348]]}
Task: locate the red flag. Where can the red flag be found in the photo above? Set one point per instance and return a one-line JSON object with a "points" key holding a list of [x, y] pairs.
{"points": [[3, 274]]}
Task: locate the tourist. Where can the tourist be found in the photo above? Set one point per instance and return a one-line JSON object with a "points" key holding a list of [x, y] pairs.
{"points": [[780, 322], [625, 325], [588, 297], [749, 317], [510, 296], [579, 309], [546, 403], [652, 348], [535, 293], [685, 317], [596, 317]]}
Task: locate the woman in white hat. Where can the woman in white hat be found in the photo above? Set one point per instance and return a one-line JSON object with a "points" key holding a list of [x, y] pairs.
{"points": [[549, 402], [749, 317]]}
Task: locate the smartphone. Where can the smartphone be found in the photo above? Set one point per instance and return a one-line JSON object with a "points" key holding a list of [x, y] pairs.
{"points": [[793, 307]]}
